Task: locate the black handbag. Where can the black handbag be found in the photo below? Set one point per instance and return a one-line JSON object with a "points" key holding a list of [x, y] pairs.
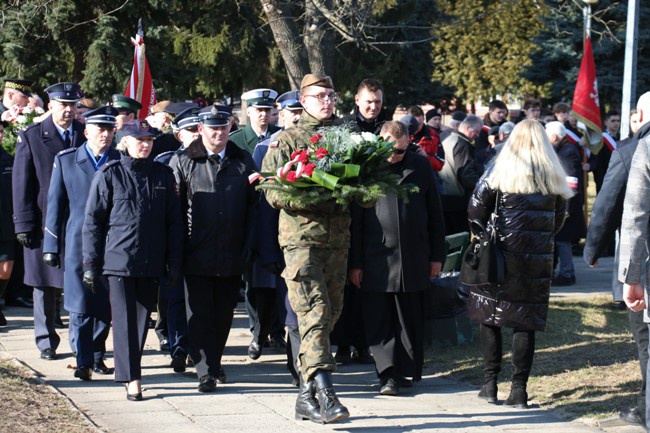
{"points": [[483, 263]]}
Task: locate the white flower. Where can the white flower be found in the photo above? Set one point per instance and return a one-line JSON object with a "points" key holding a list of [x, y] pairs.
{"points": [[368, 136], [26, 110], [39, 110], [7, 116], [356, 138], [21, 119]]}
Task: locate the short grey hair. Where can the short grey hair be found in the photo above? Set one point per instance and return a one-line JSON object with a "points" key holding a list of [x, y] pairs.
{"points": [[506, 128], [471, 121], [556, 128]]}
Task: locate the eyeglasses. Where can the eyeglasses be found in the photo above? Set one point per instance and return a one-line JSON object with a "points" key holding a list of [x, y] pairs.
{"points": [[399, 151], [326, 97]]}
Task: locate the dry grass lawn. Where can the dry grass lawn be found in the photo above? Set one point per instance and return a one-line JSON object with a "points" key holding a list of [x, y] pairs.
{"points": [[585, 363]]}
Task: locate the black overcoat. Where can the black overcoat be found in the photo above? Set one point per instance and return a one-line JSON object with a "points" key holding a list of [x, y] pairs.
{"points": [[36, 148], [395, 241]]}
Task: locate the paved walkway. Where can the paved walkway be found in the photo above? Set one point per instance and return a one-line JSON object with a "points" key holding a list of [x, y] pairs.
{"points": [[259, 398]]}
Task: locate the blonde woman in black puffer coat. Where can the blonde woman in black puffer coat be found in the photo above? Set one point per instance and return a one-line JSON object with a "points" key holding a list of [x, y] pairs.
{"points": [[532, 194]]}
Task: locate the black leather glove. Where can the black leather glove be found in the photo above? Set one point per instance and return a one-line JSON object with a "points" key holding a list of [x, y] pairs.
{"points": [[52, 259], [89, 280], [25, 239], [171, 277]]}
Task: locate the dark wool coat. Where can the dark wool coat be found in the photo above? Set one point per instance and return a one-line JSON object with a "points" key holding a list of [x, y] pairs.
{"points": [[527, 224], [36, 148], [575, 226], [395, 241]]}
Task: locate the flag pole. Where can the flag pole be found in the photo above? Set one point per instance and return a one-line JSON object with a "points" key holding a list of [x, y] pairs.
{"points": [[586, 11]]}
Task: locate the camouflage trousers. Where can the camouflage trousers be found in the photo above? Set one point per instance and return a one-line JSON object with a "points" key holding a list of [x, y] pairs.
{"points": [[315, 279]]}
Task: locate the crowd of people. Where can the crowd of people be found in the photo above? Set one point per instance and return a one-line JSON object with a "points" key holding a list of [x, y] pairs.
{"points": [[128, 216]]}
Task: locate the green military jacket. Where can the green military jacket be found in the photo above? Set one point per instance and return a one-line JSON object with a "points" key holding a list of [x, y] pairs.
{"points": [[247, 139], [324, 226]]}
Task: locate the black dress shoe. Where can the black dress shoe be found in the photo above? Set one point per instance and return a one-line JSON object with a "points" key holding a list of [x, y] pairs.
{"points": [[633, 416], [132, 397], [221, 376], [343, 355], [277, 343], [363, 356], [254, 351], [389, 387], [178, 363], [49, 354], [3, 319], [83, 373], [19, 302], [101, 368], [58, 322], [207, 383]]}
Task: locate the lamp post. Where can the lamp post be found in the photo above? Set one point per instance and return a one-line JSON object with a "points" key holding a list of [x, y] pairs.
{"points": [[629, 69]]}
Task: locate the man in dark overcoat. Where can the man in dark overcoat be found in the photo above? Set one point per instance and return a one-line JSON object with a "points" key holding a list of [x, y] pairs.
{"points": [[396, 247], [605, 220], [36, 148], [219, 207], [72, 174]]}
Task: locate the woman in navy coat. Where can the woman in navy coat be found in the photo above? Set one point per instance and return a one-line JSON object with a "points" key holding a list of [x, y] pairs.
{"points": [[133, 234]]}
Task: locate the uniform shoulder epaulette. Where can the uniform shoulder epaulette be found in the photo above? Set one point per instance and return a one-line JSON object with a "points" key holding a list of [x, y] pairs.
{"points": [[32, 126], [66, 151], [109, 164]]}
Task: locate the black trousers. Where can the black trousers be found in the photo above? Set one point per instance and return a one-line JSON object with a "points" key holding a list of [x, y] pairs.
{"points": [[349, 331], [44, 315], [394, 327], [210, 302], [264, 301], [132, 300]]}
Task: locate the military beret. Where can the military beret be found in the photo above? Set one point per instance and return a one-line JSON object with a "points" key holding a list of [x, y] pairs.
{"points": [[161, 107], [137, 129], [262, 98], [290, 100], [64, 92], [316, 80], [187, 118], [122, 102], [23, 86], [104, 115], [215, 115]]}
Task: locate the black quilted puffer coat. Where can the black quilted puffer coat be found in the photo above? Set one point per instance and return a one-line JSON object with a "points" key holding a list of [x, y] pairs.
{"points": [[526, 225]]}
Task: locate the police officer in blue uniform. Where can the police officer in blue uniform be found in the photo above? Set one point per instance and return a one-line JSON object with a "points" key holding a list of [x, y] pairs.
{"points": [[133, 234], [90, 313], [219, 205], [36, 147]]}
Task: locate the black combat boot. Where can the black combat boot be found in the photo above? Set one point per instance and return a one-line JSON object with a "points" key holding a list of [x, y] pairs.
{"points": [[331, 409], [306, 404]]}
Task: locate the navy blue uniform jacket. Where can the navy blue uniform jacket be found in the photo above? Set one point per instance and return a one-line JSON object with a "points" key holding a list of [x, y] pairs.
{"points": [[133, 225], [72, 176], [36, 148], [219, 206]]}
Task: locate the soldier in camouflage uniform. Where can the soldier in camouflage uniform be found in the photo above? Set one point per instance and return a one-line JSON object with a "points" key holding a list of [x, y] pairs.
{"points": [[315, 243]]}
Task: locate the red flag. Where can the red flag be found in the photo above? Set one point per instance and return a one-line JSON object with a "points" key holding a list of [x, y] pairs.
{"points": [[140, 86], [586, 106]]}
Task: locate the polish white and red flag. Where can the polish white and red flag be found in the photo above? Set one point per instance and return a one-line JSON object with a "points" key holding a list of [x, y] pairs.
{"points": [[140, 86]]}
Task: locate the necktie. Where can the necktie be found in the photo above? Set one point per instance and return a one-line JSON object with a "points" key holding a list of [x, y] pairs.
{"points": [[66, 138], [215, 158]]}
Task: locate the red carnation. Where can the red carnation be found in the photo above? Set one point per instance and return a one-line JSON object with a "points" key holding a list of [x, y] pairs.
{"points": [[321, 153], [309, 169], [302, 155], [291, 176], [314, 138]]}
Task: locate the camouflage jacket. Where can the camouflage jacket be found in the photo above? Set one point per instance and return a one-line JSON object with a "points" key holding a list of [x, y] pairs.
{"points": [[326, 225]]}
